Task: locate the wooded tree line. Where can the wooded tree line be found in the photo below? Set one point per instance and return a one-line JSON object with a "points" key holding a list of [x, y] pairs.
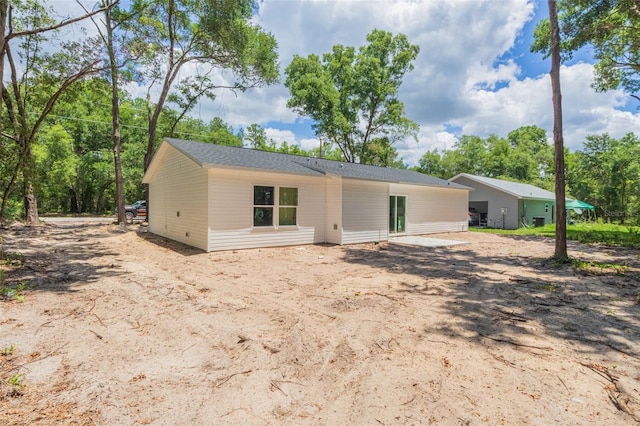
{"points": [[72, 137], [73, 153], [72, 140], [605, 172], [54, 66]]}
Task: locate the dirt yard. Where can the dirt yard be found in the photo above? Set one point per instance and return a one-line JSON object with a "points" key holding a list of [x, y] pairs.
{"points": [[118, 327]]}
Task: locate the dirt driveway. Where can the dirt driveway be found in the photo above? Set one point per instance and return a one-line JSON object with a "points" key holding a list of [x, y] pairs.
{"points": [[120, 327]]}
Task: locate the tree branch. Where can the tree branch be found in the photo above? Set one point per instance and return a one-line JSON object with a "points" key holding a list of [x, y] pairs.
{"points": [[58, 25]]}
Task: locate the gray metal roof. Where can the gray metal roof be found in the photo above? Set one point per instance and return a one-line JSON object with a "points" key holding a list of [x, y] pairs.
{"points": [[211, 155], [517, 189]]}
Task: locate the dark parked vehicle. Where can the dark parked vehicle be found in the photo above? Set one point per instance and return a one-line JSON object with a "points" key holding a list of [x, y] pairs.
{"points": [[137, 210]]}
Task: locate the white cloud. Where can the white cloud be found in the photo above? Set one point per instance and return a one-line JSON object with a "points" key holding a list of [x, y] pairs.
{"points": [[280, 136], [467, 78], [528, 102], [309, 143]]}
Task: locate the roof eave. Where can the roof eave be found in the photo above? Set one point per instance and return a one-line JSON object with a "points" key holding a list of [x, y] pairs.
{"points": [[539, 199], [312, 173]]}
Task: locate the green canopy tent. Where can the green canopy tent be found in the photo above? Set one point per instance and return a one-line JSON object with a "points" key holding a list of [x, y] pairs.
{"points": [[580, 206]]}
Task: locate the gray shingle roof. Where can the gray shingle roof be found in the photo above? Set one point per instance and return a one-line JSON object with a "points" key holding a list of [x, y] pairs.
{"points": [[211, 155], [520, 190]]}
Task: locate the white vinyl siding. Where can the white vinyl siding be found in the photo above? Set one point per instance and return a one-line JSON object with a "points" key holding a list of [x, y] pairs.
{"points": [[333, 224], [433, 210], [212, 208], [231, 210], [365, 211], [178, 200]]}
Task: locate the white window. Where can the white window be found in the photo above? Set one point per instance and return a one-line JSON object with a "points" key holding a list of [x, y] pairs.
{"points": [[265, 206], [288, 201]]}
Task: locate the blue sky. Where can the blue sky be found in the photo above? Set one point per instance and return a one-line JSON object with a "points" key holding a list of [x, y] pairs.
{"points": [[474, 74]]}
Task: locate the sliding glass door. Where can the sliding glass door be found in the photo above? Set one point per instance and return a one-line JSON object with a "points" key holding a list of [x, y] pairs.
{"points": [[397, 209]]}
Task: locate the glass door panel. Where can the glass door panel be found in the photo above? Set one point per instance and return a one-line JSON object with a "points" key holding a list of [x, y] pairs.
{"points": [[392, 214], [400, 210], [397, 209]]}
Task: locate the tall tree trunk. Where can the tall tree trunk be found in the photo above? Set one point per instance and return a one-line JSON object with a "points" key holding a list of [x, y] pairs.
{"points": [[73, 202], [561, 222], [153, 122], [7, 190], [115, 120], [31, 206], [30, 201], [4, 14], [153, 112]]}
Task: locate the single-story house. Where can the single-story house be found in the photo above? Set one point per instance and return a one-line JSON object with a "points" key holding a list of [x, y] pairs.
{"points": [[503, 204], [216, 197]]}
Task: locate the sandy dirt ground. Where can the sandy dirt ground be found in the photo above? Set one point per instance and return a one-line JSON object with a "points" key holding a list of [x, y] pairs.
{"points": [[116, 326]]}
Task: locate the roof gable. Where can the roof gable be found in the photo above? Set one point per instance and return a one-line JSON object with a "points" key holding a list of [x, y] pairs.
{"points": [[517, 189], [209, 155]]}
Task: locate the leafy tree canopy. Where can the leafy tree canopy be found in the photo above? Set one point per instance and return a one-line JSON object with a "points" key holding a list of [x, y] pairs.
{"points": [[611, 27], [352, 97], [524, 156]]}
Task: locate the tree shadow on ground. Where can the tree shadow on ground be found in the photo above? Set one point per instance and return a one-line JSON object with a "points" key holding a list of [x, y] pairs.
{"points": [[523, 306], [57, 257]]}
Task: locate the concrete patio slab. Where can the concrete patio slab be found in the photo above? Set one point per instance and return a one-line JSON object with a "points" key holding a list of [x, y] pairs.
{"points": [[424, 241]]}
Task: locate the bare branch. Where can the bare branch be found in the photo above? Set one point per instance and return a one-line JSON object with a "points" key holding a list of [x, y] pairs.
{"points": [[88, 70], [59, 24]]}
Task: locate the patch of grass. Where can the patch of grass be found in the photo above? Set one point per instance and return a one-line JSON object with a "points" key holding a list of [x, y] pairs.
{"points": [[546, 287], [16, 380], [588, 233], [7, 351], [9, 261], [13, 293], [589, 266], [9, 258], [17, 385]]}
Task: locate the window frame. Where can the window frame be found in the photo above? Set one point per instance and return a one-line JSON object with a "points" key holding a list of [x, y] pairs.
{"points": [[276, 207], [293, 207], [256, 206]]}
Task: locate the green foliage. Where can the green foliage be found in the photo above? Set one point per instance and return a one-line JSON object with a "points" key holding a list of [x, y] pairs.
{"points": [[352, 97], [73, 158], [39, 78], [211, 35], [431, 164], [256, 137], [13, 293], [587, 233], [611, 28], [531, 158], [57, 167], [8, 351], [593, 266], [606, 173], [382, 153], [16, 380], [546, 287], [59, 119], [524, 156]]}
